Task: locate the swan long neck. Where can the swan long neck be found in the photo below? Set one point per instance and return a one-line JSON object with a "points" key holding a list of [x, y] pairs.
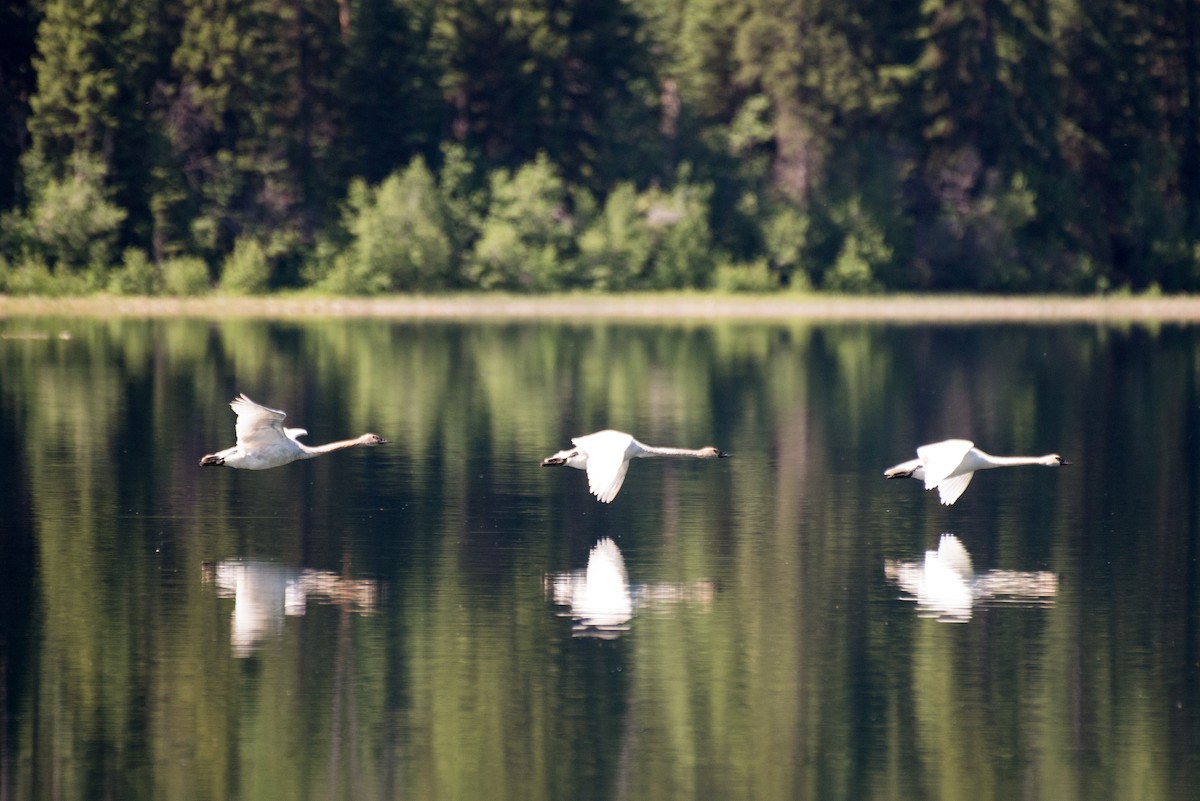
{"points": [[652, 450], [310, 451], [1017, 461]]}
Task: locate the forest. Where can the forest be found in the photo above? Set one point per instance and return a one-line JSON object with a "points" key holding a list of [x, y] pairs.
{"points": [[375, 146]]}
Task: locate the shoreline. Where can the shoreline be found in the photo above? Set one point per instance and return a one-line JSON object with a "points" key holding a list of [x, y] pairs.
{"points": [[676, 307]]}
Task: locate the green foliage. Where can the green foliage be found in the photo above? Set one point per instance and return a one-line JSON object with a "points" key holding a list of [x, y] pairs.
{"points": [[398, 237], [683, 246], [247, 271], [186, 276], [785, 235], [404, 145], [32, 276], [617, 248], [137, 275], [525, 239], [754, 277], [70, 219], [852, 271]]}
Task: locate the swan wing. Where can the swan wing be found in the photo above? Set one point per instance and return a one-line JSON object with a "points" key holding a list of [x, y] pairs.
{"points": [[950, 489], [606, 474], [942, 459], [257, 425], [608, 454]]}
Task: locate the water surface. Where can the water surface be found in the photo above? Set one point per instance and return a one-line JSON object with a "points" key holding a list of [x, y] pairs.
{"points": [[418, 621]]}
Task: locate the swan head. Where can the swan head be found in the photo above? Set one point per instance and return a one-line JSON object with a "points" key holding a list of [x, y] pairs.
{"points": [[710, 452], [1053, 460], [372, 439], [571, 458]]}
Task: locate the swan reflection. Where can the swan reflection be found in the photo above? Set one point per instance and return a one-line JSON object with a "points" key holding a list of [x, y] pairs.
{"points": [[946, 587], [264, 592], [601, 599]]}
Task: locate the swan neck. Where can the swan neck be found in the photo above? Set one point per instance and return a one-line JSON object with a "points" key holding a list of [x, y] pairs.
{"points": [[652, 450], [329, 447], [1014, 461]]}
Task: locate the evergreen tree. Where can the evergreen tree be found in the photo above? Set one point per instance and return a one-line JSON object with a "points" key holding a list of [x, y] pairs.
{"points": [[93, 64], [252, 118], [18, 24], [1127, 62], [393, 106], [565, 77]]}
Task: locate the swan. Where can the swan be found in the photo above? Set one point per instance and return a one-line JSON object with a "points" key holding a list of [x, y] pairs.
{"points": [[263, 442], [949, 465], [605, 456]]}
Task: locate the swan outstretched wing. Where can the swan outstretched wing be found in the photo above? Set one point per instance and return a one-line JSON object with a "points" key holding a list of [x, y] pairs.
{"points": [[257, 425], [606, 473], [941, 459], [607, 461], [949, 489]]}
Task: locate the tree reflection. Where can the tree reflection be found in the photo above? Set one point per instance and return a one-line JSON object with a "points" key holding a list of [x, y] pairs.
{"points": [[801, 678]]}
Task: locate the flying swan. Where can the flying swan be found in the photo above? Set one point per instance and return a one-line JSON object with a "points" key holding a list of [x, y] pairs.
{"points": [[949, 466], [605, 456], [263, 442]]}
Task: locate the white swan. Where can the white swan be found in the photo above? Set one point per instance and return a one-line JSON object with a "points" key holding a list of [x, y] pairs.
{"points": [[605, 456], [949, 465], [263, 442]]}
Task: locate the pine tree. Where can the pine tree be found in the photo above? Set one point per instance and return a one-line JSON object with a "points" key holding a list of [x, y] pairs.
{"points": [[18, 25], [565, 77], [252, 119]]}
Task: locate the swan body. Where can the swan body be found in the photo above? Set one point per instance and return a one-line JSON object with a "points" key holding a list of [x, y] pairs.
{"points": [[263, 442], [950, 465], [605, 456]]}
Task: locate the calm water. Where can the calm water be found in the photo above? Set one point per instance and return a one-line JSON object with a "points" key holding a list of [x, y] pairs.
{"points": [[419, 621]]}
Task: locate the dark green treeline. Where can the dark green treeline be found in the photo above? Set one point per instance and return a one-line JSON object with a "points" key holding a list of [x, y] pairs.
{"points": [[370, 146]]}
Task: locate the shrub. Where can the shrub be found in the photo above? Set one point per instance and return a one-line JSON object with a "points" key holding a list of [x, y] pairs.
{"points": [[71, 218], [137, 275], [30, 276], [398, 238], [616, 249], [785, 236], [683, 247], [754, 277], [246, 271], [185, 276], [526, 235]]}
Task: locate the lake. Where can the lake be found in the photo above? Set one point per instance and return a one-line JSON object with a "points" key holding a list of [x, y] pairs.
{"points": [[443, 618]]}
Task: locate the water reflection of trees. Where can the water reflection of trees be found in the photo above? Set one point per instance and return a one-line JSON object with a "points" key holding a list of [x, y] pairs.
{"points": [[461, 682]]}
